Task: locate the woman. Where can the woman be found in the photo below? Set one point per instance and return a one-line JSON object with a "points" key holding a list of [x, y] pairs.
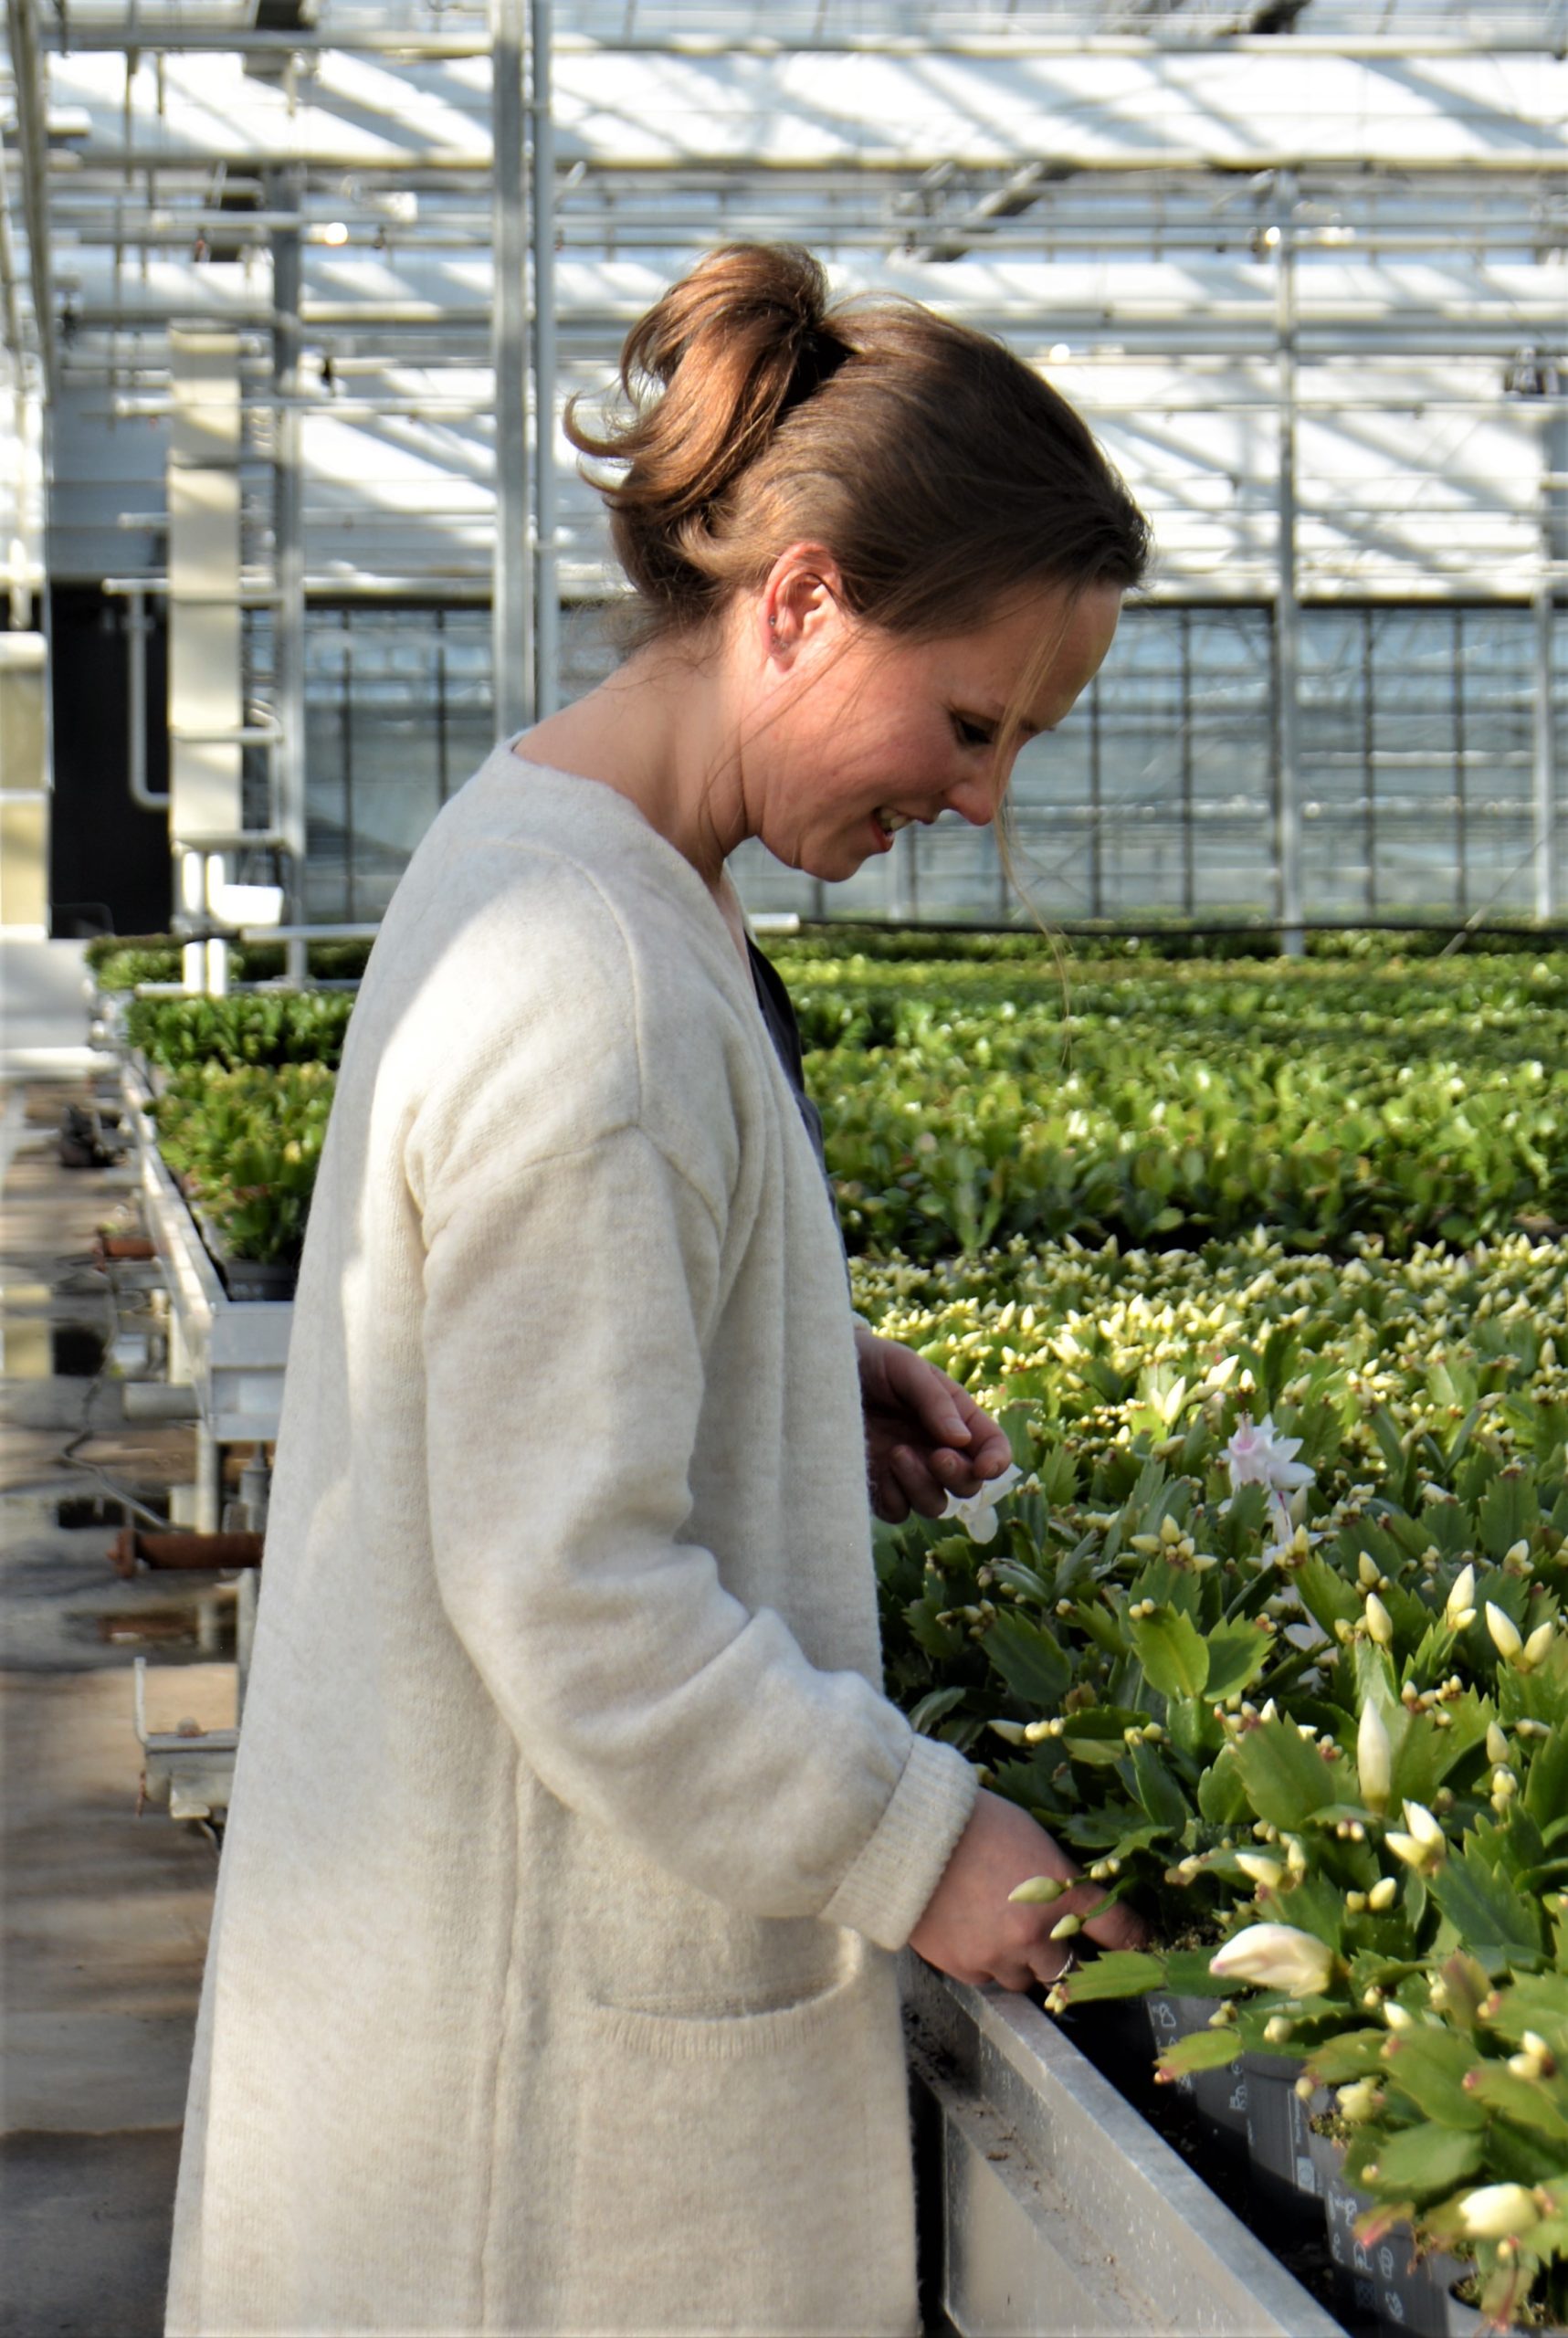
{"points": [[552, 1985]]}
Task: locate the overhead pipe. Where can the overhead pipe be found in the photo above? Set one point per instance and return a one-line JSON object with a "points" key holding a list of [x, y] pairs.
{"points": [[1547, 161], [173, 33]]}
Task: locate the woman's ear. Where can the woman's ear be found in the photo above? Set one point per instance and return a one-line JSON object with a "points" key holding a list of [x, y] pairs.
{"points": [[801, 601]]}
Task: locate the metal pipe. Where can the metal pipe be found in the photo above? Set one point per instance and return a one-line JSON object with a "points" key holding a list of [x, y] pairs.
{"points": [[33, 135], [547, 587], [288, 561], [511, 630], [173, 34], [137, 626], [1287, 629], [1543, 800], [9, 316], [1546, 162]]}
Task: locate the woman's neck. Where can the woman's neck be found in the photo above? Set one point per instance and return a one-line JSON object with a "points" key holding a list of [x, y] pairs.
{"points": [[656, 731]]}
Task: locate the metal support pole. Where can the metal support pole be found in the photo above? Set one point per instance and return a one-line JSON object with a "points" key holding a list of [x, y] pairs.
{"points": [[33, 137], [547, 588], [209, 1479], [511, 617], [289, 559], [1554, 551], [1287, 613], [1544, 791]]}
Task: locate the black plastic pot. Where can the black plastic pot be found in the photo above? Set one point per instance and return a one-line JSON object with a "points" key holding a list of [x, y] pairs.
{"points": [[244, 1279], [1279, 2134], [1386, 2277], [1217, 2096]]}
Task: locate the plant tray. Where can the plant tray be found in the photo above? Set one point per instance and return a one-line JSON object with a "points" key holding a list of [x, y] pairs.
{"points": [[1049, 2208], [233, 1350]]}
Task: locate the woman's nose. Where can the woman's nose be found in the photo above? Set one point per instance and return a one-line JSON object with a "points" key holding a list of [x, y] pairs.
{"points": [[974, 800]]}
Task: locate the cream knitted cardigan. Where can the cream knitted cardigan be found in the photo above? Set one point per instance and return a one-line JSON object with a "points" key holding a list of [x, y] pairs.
{"points": [[550, 1987]]}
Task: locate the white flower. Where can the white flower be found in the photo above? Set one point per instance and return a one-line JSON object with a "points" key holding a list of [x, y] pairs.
{"points": [[1260, 1457], [1276, 1956], [1425, 1846], [977, 1512]]}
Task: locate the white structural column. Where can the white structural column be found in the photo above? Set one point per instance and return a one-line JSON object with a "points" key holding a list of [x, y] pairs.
{"points": [[547, 586], [511, 616], [1287, 612]]}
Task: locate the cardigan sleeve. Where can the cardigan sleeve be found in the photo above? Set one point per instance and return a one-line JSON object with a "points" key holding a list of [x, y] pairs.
{"points": [[565, 1309]]}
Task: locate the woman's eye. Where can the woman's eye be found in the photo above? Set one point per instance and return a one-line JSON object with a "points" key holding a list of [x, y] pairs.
{"points": [[972, 734]]}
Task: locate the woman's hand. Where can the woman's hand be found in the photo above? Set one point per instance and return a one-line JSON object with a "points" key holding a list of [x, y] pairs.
{"points": [[925, 1438], [972, 1931]]}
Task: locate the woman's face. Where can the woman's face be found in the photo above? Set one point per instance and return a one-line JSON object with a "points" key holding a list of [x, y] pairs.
{"points": [[855, 732]]}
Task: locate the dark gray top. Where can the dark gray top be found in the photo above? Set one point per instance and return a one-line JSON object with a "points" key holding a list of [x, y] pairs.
{"points": [[784, 1033]]}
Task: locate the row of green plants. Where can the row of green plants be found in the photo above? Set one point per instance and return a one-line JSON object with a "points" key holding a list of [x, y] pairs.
{"points": [[1175, 1106], [120, 963], [1269, 1631], [265, 1028], [244, 1144], [964, 1105]]}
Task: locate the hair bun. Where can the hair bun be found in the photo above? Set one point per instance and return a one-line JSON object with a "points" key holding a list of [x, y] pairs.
{"points": [[708, 374]]}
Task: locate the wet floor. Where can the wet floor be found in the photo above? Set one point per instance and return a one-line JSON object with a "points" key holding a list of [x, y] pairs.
{"points": [[105, 1914]]}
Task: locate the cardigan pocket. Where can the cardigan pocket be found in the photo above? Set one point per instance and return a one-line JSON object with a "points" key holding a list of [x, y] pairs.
{"points": [[747, 2174]]}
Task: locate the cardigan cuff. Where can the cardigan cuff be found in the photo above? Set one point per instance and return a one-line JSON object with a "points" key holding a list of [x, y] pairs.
{"points": [[885, 1892]]}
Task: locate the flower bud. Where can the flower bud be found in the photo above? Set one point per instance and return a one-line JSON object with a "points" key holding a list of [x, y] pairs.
{"points": [[1274, 1956], [1279, 2030], [1460, 1608], [1357, 2103], [1355, 1902], [1066, 1926], [1368, 1572], [1374, 1757], [1517, 1555], [1039, 1892], [1266, 1873], [1379, 1622], [1507, 1639], [1497, 1744], [1538, 1646], [1383, 1893], [1398, 2017], [1011, 1732], [1498, 2212]]}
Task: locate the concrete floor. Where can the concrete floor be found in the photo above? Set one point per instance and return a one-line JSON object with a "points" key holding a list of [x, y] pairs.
{"points": [[105, 1914]]}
